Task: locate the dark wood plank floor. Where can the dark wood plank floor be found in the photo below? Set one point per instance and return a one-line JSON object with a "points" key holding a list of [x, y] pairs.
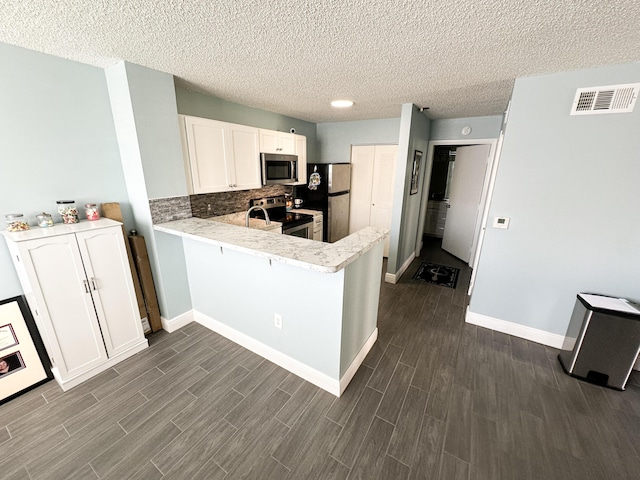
{"points": [[435, 399]]}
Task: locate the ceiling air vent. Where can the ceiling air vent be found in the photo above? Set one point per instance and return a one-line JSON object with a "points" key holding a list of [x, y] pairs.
{"points": [[609, 99]]}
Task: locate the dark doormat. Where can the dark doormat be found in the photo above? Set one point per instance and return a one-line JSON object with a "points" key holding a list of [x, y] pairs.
{"points": [[438, 274]]}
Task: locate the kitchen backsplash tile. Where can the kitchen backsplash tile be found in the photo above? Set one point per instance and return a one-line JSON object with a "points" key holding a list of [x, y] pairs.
{"points": [[168, 209], [224, 203]]}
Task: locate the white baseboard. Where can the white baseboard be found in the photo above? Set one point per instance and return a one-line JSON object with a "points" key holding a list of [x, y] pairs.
{"points": [[394, 277], [528, 333], [175, 323], [332, 385], [353, 368]]}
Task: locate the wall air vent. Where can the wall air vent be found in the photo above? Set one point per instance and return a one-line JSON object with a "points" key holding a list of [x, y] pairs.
{"points": [[609, 99]]}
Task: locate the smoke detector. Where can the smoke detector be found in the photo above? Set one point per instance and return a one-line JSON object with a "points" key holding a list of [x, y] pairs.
{"points": [[608, 99]]}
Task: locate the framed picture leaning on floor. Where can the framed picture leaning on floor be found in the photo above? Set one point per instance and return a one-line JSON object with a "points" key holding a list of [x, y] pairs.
{"points": [[23, 361]]}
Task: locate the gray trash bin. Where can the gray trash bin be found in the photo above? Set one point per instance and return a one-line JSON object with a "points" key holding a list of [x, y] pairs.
{"points": [[602, 341]]}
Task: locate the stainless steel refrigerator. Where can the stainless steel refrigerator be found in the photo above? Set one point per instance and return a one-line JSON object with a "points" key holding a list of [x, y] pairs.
{"points": [[331, 196]]}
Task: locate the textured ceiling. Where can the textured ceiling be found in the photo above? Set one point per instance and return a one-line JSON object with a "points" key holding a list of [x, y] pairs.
{"points": [[459, 58]]}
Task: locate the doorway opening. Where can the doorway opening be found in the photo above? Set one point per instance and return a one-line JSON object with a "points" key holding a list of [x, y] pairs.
{"points": [[458, 172]]}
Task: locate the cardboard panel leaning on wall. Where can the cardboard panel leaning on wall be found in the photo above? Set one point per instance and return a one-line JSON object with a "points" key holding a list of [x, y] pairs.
{"points": [[58, 141], [570, 186]]}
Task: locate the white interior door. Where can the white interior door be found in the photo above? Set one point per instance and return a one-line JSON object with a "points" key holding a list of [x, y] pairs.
{"points": [[361, 186], [373, 171], [384, 174], [464, 200]]}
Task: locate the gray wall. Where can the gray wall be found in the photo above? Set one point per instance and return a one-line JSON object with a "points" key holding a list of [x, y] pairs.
{"points": [[206, 106], [570, 186], [58, 141], [145, 116], [451, 128], [414, 135], [335, 138]]}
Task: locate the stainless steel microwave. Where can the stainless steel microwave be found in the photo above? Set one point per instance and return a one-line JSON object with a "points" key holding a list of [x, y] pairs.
{"points": [[279, 169]]}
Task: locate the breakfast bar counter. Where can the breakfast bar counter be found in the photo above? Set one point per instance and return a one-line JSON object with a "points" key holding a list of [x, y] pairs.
{"points": [[299, 252], [308, 306]]}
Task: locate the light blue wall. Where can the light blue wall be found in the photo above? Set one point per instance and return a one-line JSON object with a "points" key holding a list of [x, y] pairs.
{"points": [[360, 311], [570, 185], [451, 128], [145, 115], [335, 138], [246, 291], [206, 106], [414, 135], [58, 141]]}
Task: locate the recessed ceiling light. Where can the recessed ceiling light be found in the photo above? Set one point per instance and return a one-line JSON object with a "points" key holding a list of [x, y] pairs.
{"points": [[341, 103]]}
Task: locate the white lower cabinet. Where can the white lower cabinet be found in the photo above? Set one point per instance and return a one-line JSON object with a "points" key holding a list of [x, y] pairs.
{"points": [[318, 227], [436, 217], [78, 285]]}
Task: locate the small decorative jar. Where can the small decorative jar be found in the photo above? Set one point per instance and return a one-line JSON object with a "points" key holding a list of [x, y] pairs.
{"points": [[68, 211], [44, 220], [16, 222], [92, 212]]}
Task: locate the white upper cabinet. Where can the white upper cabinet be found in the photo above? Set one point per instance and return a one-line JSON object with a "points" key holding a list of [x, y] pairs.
{"points": [[301, 152], [219, 156], [272, 141]]}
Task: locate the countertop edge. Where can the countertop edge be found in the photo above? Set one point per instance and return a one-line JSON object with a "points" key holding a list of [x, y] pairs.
{"points": [[330, 257]]}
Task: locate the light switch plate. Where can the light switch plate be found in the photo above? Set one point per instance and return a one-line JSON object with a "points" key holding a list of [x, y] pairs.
{"points": [[501, 222]]}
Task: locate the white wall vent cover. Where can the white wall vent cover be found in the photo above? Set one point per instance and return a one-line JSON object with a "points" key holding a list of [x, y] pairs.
{"points": [[609, 99]]}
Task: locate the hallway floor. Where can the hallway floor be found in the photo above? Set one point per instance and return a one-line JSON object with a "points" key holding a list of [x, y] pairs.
{"points": [[436, 398]]}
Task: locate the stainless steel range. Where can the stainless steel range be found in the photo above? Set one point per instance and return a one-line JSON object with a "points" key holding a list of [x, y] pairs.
{"points": [[293, 223]]}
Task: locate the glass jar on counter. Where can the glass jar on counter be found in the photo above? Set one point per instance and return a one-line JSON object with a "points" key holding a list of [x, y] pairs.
{"points": [[44, 220], [68, 211], [91, 211], [16, 222]]}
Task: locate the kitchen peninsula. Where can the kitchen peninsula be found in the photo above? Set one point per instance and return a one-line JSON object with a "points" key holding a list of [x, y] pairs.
{"points": [[310, 307]]}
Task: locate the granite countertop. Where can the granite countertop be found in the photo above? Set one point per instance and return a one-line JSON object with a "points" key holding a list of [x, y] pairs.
{"points": [[299, 252]]}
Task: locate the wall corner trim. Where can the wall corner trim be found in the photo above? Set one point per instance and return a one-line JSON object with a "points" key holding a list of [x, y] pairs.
{"points": [[522, 331], [175, 323], [357, 361], [394, 277]]}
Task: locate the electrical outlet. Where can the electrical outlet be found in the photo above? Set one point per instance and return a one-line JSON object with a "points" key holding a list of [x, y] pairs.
{"points": [[277, 320]]}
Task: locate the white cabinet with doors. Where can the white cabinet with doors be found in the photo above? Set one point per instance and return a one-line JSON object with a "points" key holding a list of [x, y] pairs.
{"points": [[219, 156], [78, 284], [272, 141], [373, 171], [436, 217], [301, 152]]}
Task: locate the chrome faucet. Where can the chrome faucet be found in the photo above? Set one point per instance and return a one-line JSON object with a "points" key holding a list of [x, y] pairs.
{"points": [[255, 207]]}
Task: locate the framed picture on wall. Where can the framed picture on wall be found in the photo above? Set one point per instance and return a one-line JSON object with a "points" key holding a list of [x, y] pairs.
{"points": [[415, 172], [23, 360]]}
